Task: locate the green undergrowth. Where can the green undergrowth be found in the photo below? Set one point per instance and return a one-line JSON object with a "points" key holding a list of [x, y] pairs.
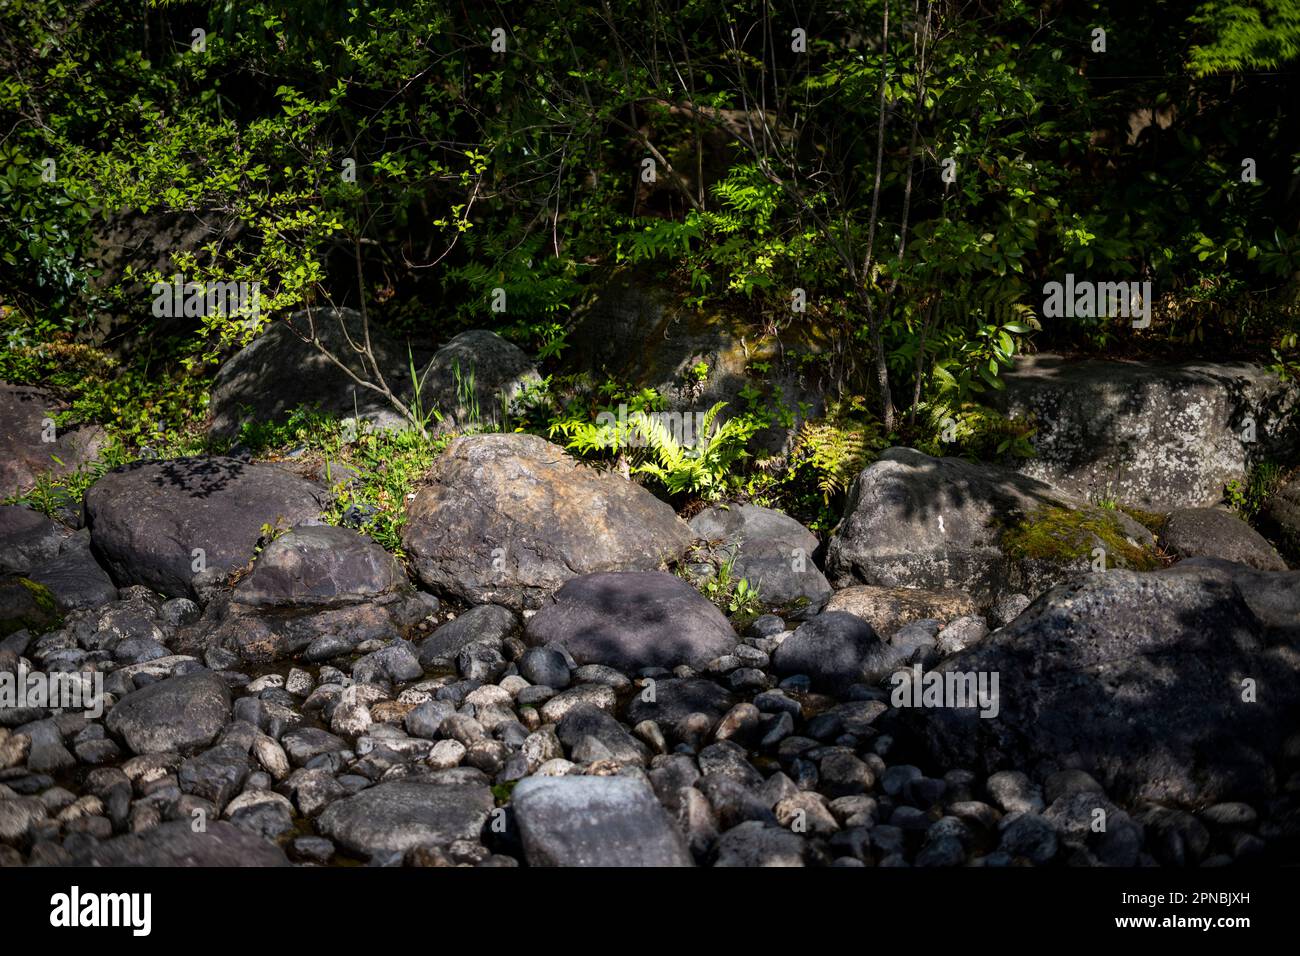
{"points": [[370, 472], [1065, 535]]}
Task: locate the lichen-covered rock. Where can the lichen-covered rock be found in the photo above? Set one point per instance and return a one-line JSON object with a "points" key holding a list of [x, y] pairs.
{"points": [[507, 519], [1157, 437], [942, 523]]}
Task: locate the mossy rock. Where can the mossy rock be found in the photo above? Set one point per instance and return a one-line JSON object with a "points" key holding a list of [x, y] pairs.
{"points": [[1061, 535], [26, 605]]}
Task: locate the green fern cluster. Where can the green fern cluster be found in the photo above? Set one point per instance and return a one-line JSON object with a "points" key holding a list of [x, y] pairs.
{"points": [[835, 451], [701, 469]]}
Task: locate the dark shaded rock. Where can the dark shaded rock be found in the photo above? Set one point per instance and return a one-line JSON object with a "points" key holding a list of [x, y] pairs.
{"points": [[27, 539], [472, 377], [507, 519], [585, 721], [633, 619], [595, 821], [75, 578], [26, 420], [676, 698], [176, 844], [179, 713], [1136, 678], [149, 518], [26, 606], [1214, 533], [837, 650], [487, 624], [922, 522]]}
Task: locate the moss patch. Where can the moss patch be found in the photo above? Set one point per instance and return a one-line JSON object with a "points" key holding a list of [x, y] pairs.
{"points": [[1065, 535], [24, 604], [1153, 521]]}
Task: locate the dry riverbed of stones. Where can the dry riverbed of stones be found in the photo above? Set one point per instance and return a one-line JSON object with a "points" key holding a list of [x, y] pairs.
{"points": [[565, 701]]}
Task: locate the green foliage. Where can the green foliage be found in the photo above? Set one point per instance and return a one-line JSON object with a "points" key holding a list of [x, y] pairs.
{"points": [[1249, 497], [1246, 34], [733, 595], [701, 469]]}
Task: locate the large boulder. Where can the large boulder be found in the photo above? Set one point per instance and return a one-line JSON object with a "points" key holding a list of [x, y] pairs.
{"points": [[279, 371], [1163, 686], [940, 523], [467, 381], [1214, 533], [632, 620], [31, 444], [160, 523], [319, 566], [396, 816], [507, 519], [179, 713], [1153, 436], [595, 821], [1273, 596], [771, 551], [474, 379]]}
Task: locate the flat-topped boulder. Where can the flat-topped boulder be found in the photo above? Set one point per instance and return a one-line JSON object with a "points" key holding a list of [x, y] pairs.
{"points": [[914, 521], [397, 816], [1154, 436], [595, 821], [507, 519], [319, 566], [632, 620], [770, 550], [32, 445], [1215, 533], [179, 713], [161, 523]]}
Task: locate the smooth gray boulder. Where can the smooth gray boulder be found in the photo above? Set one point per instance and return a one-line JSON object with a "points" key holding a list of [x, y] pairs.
{"points": [[474, 379], [940, 523], [279, 371], [1154, 436], [157, 522], [396, 816], [1164, 686], [179, 713], [508, 518], [1215, 533], [595, 821], [837, 649], [771, 550], [632, 620], [320, 566], [26, 422]]}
